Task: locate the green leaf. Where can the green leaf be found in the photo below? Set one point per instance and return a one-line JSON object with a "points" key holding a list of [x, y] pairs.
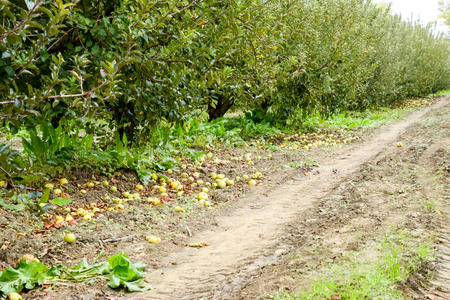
{"points": [[61, 201], [145, 175], [118, 269], [14, 207], [136, 286], [124, 273], [44, 197], [27, 275]]}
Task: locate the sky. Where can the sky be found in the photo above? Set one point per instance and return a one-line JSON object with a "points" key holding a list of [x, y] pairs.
{"points": [[425, 10]]}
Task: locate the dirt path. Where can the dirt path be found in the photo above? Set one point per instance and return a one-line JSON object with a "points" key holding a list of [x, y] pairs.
{"points": [[249, 238]]}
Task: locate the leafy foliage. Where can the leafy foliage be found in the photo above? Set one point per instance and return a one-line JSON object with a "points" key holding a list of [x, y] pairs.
{"points": [[26, 275], [61, 201], [35, 202], [118, 270], [140, 62], [124, 273]]}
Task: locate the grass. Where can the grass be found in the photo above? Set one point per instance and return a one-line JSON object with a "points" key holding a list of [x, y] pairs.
{"points": [[304, 163], [442, 93], [353, 120], [357, 278]]}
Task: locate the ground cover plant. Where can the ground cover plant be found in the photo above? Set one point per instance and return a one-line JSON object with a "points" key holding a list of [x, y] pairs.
{"points": [[30, 272], [145, 117], [354, 279]]}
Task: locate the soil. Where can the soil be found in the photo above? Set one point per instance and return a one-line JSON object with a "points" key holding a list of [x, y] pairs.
{"points": [[321, 214], [272, 238], [388, 191]]}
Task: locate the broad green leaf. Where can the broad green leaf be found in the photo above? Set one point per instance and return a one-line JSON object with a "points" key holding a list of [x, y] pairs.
{"points": [[61, 201], [27, 275], [44, 197]]}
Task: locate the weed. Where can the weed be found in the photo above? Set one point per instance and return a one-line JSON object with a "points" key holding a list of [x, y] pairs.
{"points": [[304, 163], [358, 279], [30, 273], [442, 93], [429, 205], [351, 120]]}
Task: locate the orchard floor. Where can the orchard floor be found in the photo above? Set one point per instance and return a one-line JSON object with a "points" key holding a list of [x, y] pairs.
{"points": [[282, 234]]}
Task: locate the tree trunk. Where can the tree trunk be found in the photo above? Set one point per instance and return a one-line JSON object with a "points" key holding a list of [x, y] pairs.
{"points": [[124, 114], [222, 106]]}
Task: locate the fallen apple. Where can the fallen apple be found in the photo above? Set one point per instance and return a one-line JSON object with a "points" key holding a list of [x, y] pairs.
{"points": [[199, 244], [153, 239], [175, 184], [87, 217], [221, 184], [29, 257], [70, 238], [49, 186], [202, 196], [178, 209], [154, 201], [119, 207], [14, 296]]}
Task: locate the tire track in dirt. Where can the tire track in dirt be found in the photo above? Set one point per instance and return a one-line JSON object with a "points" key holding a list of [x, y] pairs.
{"points": [[249, 238], [440, 283]]}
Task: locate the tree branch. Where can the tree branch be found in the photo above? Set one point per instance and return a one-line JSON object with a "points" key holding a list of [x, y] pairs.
{"points": [[23, 22]]}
